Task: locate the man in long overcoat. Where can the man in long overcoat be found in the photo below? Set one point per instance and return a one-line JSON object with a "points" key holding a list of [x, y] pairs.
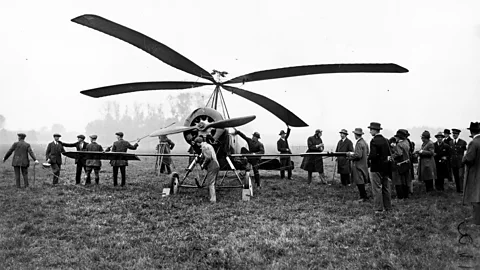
{"points": [[120, 146], [80, 163], [164, 146], [314, 163], [93, 164], [471, 189], [343, 164], [20, 160], [359, 157], [54, 156], [401, 157], [284, 148], [448, 140], [459, 147], [442, 159], [427, 171]]}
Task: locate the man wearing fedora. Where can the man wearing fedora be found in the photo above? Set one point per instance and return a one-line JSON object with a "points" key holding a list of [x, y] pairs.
{"points": [[284, 148], [120, 146], [459, 147], [448, 140], [20, 160], [380, 168], [93, 164], [254, 147], [343, 164], [54, 156], [427, 170], [401, 158], [314, 163], [80, 145], [442, 156], [360, 164], [471, 189]]}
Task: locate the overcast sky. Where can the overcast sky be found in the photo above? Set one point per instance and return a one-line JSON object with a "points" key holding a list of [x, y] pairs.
{"points": [[47, 59]]}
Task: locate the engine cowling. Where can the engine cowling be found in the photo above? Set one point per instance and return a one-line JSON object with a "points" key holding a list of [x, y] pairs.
{"points": [[201, 117]]}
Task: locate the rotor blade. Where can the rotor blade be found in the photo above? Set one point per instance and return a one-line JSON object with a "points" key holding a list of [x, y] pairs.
{"points": [[317, 69], [171, 130], [139, 86], [101, 155], [233, 122], [143, 42], [278, 110]]}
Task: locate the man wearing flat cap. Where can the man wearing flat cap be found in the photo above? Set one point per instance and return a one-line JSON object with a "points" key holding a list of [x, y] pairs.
{"points": [[458, 147], [120, 146], [284, 148], [254, 147], [54, 156], [80, 146], [442, 157], [93, 164], [20, 160], [343, 164], [314, 163], [359, 157], [471, 189], [380, 168]]}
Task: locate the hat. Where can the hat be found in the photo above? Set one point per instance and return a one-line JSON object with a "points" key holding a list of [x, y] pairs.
{"points": [[439, 134], [93, 137], [405, 131], [198, 139], [21, 135], [256, 134], [426, 134], [318, 130], [474, 126], [358, 131], [375, 125], [81, 137], [401, 133], [456, 131], [446, 131], [119, 134], [57, 135], [344, 131], [282, 132]]}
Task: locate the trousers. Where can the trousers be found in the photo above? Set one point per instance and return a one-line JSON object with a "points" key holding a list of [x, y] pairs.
{"points": [[89, 170], [458, 174], [345, 178], [115, 175], [78, 174], [24, 171], [285, 164], [381, 192], [56, 172]]}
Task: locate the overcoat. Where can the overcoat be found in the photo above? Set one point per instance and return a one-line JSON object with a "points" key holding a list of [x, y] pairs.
{"points": [[401, 153], [426, 163], [360, 163], [442, 159], [164, 147], [343, 166], [313, 163], [458, 150], [471, 187], [20, 158]]}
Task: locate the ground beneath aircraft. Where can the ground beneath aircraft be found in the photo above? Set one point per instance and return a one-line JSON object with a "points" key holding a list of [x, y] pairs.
{"points": [[287, 225]]}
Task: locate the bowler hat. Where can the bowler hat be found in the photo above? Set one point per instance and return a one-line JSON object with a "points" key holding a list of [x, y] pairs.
{"points": [[446, 131], [358, 131], [119, 134], [81, 137], [426, 134], [401, 134], [375, 125], [57, 135], [256, 134], [282, 132], [439, 134], [456, 131], [198, 139], [474, 126], [21, 135], [93, 137], [344, 131]]}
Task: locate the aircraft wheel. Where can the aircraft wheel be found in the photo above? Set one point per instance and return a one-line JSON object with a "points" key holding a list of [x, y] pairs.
{"points": [[174, 181]]}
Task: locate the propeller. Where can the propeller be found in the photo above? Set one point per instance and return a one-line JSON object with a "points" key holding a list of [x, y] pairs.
{"points": [[233, 122]]}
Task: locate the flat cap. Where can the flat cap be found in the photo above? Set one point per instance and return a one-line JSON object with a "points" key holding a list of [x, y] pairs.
{"points": [[93, 137], [81, 136], [57, 135], [119, 134]]}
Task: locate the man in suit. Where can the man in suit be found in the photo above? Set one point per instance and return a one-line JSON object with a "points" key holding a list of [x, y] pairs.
{"points": [[80, 146], [284, 148], [20, 160], [120, 146], [360, 165], [254, 147], [343, 164], [54, 156], [442, 156], [471, 189], [93, 164], [314, 163], [209, 163], [458, 147], [380, 168], [448, 140]]}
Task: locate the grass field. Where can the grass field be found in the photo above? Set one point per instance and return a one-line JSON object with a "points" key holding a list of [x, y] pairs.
{"points": [[287, 225]]}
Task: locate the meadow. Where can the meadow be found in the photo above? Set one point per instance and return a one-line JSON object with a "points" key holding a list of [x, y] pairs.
{"points": [[288, 224]]}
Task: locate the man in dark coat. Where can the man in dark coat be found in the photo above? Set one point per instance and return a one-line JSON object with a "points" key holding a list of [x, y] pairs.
{"points": [[471, 189], [380, 168], [284, 148], [314, 163], [54, 156], [93, 164], [164, 147], [360, 165], [254, 147], [458, 147], [80, 146], [448, 140], [413, 160], [120, 146], [343, 164], [442, 156], [20, 160]]}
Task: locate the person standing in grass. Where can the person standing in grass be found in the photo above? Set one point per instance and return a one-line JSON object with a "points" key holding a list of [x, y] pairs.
{"points": [[459, 147], [209, 163], [80, 145], [427, 170], [120, 146], [401, 157], [442, 157], [314, 163], [360, 165], [164, 146], [93, 164], [343, 164], [254, 147], [20, 160], [54, 156], [471, 189], [283, 148]]}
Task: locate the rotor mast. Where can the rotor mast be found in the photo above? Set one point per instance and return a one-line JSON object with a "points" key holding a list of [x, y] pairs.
{"points": [[217, 96]]}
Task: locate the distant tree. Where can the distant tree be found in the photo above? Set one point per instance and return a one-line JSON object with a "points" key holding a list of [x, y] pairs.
{"points": [[2, 121], [183, 104], [32, 136]]}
